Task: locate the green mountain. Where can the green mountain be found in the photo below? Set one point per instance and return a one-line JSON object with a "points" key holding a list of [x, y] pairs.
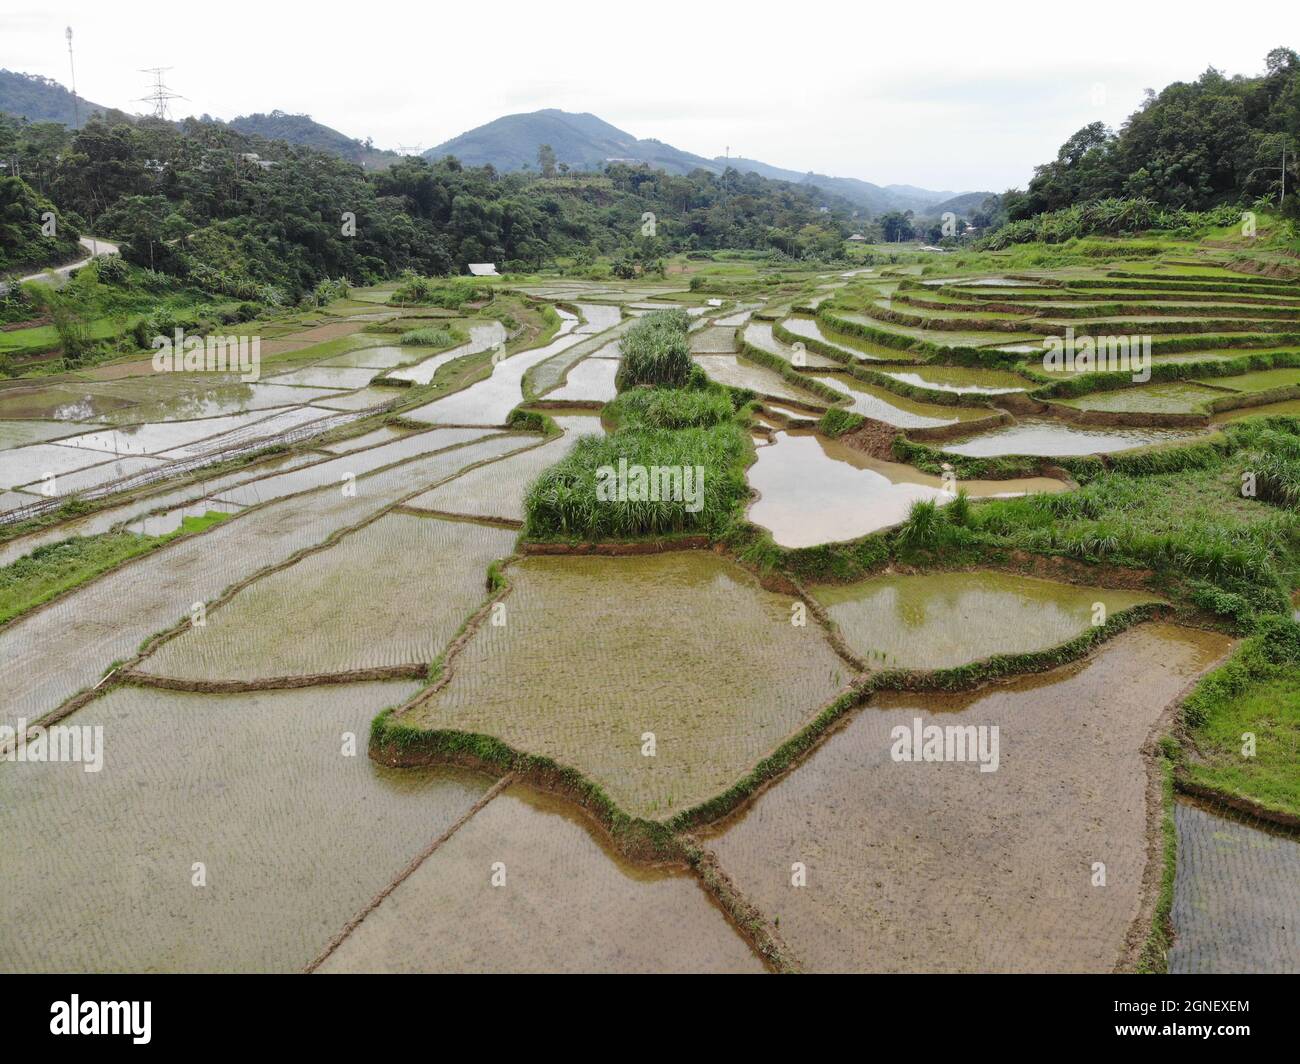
{"points": [[39, 99], [585, 142], [303, 130], [580, 141]]}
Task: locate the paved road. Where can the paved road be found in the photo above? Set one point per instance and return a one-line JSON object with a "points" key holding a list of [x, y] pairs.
{"points": [[97, 246]]}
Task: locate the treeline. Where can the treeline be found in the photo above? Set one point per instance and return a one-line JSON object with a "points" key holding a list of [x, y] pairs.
{"points": [[260, 219], [32, 235], [1192, 148]]}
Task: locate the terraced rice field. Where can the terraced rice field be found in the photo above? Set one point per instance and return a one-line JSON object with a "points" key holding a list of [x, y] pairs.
{"points": [[812, 490], [1173, 397], [590, 381], [1039, 436], [963, 380], [900, 411], [570, 719], [566, 905], [391, 593], [708, 662], [57, 651], [733, 371], [263, 809], [937, 866], [855, 347]]}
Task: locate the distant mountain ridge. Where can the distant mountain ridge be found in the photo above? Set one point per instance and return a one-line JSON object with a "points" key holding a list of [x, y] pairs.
{"points": [[586, 142], [581, 141], [39, 99]]}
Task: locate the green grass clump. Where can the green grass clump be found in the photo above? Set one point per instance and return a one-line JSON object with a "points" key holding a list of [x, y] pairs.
{"points": [[1256, 692], [432, 336], [672, 408], [656, 351], [837, 421], [449, 294], [566, 501], [50, 570]]}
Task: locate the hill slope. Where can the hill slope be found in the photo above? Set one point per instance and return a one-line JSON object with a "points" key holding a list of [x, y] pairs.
{"points": [[583, 141], [303, 130], [39, 99], [586, 142]]}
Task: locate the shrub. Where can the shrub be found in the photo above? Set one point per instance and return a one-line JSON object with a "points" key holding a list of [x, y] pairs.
{"points": [[656, 351], [672, 408], [434, 336]]}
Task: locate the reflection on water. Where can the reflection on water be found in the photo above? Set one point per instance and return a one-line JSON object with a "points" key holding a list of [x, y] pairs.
{"points": [[814, 490], [1037, 436], [939, 620]]}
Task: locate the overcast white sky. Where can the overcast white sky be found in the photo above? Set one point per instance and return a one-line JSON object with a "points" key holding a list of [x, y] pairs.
{"points": [[940, 94]]}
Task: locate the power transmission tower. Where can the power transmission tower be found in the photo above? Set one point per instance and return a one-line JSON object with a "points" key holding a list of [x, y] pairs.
{"points": [[76, 107], [160, 94]]}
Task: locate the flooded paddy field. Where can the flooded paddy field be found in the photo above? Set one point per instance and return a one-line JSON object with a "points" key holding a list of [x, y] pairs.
{"points": [[714, 340], [591, 380], [814, 490], [20, 433], [386, 434], [1260, 381], [568, 903], [880, 404], [377, 358], [391, 593], [1041, 436], [103, 520], [661, 678], [69, 401], [293, 833], [707, 661], [94, 476], [64, 647], [940, 620], [353, 464], [600, 316], [939, 866], [482, 337], [1236, 895], [855, 346], [759, 334], [490, 401], [731, 370], [497, 490], [1169, 397], [1287, 408], [964, 380], [943, 337]]}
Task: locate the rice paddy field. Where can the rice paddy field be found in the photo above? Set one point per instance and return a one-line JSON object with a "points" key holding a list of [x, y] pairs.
{"points": [[932, 673]]}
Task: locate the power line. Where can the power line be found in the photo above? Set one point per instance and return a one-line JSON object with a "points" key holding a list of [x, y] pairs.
{"points": [[160, 94]]}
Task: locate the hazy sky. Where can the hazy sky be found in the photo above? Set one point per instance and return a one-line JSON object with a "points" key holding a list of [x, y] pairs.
{"points": [[941, 95]]}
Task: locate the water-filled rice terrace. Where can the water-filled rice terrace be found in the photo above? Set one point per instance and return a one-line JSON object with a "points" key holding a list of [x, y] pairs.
{"points": [[382, 687]]}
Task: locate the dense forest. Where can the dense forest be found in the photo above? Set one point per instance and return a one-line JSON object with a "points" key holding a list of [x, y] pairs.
{"points": [[254, 218], [1193, 150]]}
